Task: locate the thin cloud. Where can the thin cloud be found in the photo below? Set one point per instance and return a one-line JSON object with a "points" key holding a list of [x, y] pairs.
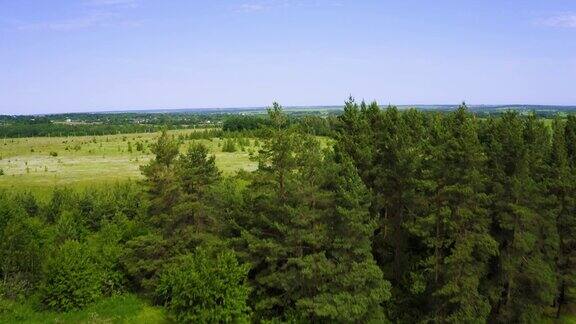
{"points": [[101, 13], [250, 7], [566, 20], [113, 3], [267, 5], [94, 20]]}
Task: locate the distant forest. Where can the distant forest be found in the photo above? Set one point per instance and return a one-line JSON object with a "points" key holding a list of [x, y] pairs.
{"points": [[91, 124], [408, 216]]}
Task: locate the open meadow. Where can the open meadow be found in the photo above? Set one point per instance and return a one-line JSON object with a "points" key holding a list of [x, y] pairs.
{"points": [[41, 163]]}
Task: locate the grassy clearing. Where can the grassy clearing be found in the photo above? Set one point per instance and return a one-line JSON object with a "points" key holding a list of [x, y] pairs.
{"points": [[118, 309], [42, 163]]}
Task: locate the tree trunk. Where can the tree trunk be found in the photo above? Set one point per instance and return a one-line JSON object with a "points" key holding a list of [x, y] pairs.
{"points": [[561, 299]]}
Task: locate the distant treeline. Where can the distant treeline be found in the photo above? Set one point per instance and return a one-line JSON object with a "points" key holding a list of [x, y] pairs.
{"points": [[53, 129], [316, 122], [106, 124], [310, 124]]}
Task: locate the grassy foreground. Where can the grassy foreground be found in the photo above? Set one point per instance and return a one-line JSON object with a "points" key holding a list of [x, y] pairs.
{"points": [[117, 309], [42, 163]]}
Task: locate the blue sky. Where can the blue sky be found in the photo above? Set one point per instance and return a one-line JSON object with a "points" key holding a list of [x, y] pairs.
{"points": [[91, 55]]}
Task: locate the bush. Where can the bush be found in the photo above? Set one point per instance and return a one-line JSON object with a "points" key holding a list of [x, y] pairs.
{"points": [[229, 145], [106, 249], [71, 281], [200, 288], [20, 255], [1, 171]]}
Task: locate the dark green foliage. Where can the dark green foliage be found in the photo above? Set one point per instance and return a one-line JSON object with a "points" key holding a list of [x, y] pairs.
{"points": [[205, 287], [524, 282], [387, 148], [468, 210], [308, 234], [196, 170], [240, 123], [563, 189], [143, 259], [456, 224], [161, 182], [71, 280], [175, 184]]}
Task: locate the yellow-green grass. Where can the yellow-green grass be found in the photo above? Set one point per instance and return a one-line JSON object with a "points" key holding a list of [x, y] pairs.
{"points": [[93, 160], [117, 309]]}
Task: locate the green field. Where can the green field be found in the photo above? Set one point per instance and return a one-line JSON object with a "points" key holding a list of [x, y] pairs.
{"points": [[84, 161]]}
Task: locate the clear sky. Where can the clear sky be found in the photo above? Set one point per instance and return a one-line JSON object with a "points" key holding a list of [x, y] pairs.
{"points": [[93, 55]]}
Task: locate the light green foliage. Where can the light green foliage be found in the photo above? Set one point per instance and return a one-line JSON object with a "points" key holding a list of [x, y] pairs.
{"points": [[105, 249], [229, 145], [128, 309], [22, 241], [205, 287], [71, 279], [69, 227]]}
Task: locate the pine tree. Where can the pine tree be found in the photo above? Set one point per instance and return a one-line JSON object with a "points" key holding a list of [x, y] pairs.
{"points": [[523, 276], [160, 179], [563, 187], [308, 237], [386, 147], [570, 138], [190, 220], [457, 225]]}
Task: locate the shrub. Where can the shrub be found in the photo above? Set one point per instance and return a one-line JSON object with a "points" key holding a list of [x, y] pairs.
{"points": [[229, 145], [71, 281], [105, 250], [1, 171], [20, 254], [201, 288]]}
